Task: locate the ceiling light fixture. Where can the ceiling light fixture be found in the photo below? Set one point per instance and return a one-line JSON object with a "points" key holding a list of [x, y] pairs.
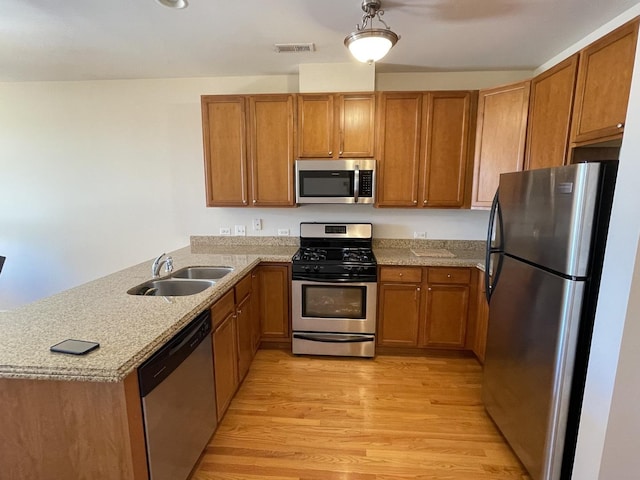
{"points": [[369, 45], [173, 3]]}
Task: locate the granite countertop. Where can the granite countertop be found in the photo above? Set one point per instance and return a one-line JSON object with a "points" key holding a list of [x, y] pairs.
{"points": [[130, 328]]}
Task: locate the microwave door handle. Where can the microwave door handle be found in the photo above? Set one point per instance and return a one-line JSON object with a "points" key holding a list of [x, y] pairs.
{"points": [[356, 183]]}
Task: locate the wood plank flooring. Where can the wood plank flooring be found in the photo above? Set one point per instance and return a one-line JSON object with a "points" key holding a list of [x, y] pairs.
{"points": [[390, 418]]}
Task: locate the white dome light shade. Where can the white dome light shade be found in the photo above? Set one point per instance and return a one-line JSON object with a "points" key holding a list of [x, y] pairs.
{"points": [[173, 3], [370, 45]]}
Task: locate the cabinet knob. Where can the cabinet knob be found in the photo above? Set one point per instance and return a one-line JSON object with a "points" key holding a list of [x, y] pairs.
{"points": [[401, 273], [429, 288], [620, 125], [415, 202], [244, 202], [418, 289], [254, 201], [448, 275], [424, 202], [330, 152], [239, 312]]}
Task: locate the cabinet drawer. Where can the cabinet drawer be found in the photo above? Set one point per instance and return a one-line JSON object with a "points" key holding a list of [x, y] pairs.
{"points": [[401, 274], [243, 288], [222, 308], [449, 275]]}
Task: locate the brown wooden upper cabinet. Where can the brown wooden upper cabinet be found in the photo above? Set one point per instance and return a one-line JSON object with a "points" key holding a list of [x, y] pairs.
{"points": [[604, 82], [550, 108], [249, 149], [424, 148], [337, 125], [500, 138]]}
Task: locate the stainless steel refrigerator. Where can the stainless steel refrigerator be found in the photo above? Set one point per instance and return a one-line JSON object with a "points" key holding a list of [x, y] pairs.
{"points": [[550, 233]]}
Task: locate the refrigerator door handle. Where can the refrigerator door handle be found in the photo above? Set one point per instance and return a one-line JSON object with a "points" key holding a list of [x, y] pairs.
{"points": [[495, 213]]}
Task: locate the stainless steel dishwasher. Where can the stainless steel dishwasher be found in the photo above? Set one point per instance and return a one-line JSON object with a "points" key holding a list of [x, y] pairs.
{"points": [[178, 401]]}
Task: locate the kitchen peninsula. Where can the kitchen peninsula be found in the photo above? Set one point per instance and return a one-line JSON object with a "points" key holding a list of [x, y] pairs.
{"points": [[80, 416]]}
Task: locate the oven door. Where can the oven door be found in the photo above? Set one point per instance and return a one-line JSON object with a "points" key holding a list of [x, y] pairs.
{"points": [[334, 307]]}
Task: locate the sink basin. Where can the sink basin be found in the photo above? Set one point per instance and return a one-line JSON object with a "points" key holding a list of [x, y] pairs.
{"points": [[169, 287], [208, 273]]}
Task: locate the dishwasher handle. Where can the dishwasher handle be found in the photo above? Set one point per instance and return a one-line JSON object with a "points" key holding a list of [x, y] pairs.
{"points": [[169, 357]]}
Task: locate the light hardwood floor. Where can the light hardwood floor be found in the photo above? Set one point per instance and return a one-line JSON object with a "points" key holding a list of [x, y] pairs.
{"points": [[394, 417]]}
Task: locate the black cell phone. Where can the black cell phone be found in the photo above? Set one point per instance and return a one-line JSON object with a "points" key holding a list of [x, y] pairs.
{"points": [[74, 347]]}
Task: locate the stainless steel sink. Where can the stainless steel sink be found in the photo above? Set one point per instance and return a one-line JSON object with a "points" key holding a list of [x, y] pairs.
{"points": [[169, 287], [208, 273]]}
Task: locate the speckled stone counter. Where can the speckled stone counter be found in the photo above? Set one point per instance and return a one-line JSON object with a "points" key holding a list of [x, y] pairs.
{"points": [[129, 328], [399, 252]]}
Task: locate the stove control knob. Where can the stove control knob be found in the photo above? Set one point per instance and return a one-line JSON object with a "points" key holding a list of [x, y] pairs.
{"points": [[316, 268], [348, 268], [307, 268]]}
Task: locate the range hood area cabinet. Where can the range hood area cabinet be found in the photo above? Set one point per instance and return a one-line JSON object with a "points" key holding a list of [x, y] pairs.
{"points": [[249, 150], [424, 148], [336, 125]]}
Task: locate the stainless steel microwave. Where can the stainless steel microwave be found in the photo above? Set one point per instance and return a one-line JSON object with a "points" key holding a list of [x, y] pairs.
{"points": [[336, 181]]}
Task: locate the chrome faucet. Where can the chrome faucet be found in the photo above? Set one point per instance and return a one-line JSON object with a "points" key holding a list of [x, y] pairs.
{"points": [[157, 265]]}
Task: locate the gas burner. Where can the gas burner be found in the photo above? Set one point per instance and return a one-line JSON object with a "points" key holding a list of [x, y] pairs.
{"points": [[313, 254], [358, 256]]}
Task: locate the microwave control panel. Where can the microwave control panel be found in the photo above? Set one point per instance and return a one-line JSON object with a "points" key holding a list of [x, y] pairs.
{"points": [[366, 183]]}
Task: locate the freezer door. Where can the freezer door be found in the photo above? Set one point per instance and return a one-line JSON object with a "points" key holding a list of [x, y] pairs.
{"points": [[534, 319], [548, 215]]}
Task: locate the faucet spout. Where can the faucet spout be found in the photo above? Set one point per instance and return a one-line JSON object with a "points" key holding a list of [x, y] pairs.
{"points": [[157, 265]]}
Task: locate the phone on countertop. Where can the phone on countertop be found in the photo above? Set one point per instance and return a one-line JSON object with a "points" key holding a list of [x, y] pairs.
{"points": [[74, 347]]}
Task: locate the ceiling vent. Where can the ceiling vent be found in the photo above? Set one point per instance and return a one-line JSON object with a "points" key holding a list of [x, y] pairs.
{"points": [[295, 47]]}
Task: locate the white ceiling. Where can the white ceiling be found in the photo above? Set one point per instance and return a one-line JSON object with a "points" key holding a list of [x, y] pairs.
{"points": [[123, 39]]}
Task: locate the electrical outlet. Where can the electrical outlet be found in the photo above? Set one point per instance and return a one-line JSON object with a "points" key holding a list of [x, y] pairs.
{"points": [[241, 231], [283, 232], [420, 235], [257, 224], [225, 231]]}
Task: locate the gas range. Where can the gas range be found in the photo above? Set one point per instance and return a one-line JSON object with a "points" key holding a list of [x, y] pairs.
{"points": [[335, 252], [334, 290]]}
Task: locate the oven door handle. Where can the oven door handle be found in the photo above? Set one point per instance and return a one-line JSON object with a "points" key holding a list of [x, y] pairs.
{"points": [[334, 338], [332, 280]]}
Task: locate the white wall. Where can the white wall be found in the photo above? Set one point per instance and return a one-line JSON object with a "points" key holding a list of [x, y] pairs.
{"points": [[620, 458], [97, 176]]}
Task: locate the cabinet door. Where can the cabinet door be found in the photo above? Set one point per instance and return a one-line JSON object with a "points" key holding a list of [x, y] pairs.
{"points": [[398, 314], [356, 122], [225, 155], [275, 284], [398, 149], [445, 151], [225, 363], [447, 309], [271, 154], [500, 138], [315, 126], [245, 336], [604, 82], [550, 110]]}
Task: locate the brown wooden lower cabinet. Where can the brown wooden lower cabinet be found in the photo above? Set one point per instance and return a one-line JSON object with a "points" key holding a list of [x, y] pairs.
{"points": [[225, 362], [424, 306], [274, 284], [482, 320], [399, 314], [52, 429]]}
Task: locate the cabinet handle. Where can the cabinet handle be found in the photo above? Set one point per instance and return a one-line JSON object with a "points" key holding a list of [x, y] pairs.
{"points": [[620, 125]]}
